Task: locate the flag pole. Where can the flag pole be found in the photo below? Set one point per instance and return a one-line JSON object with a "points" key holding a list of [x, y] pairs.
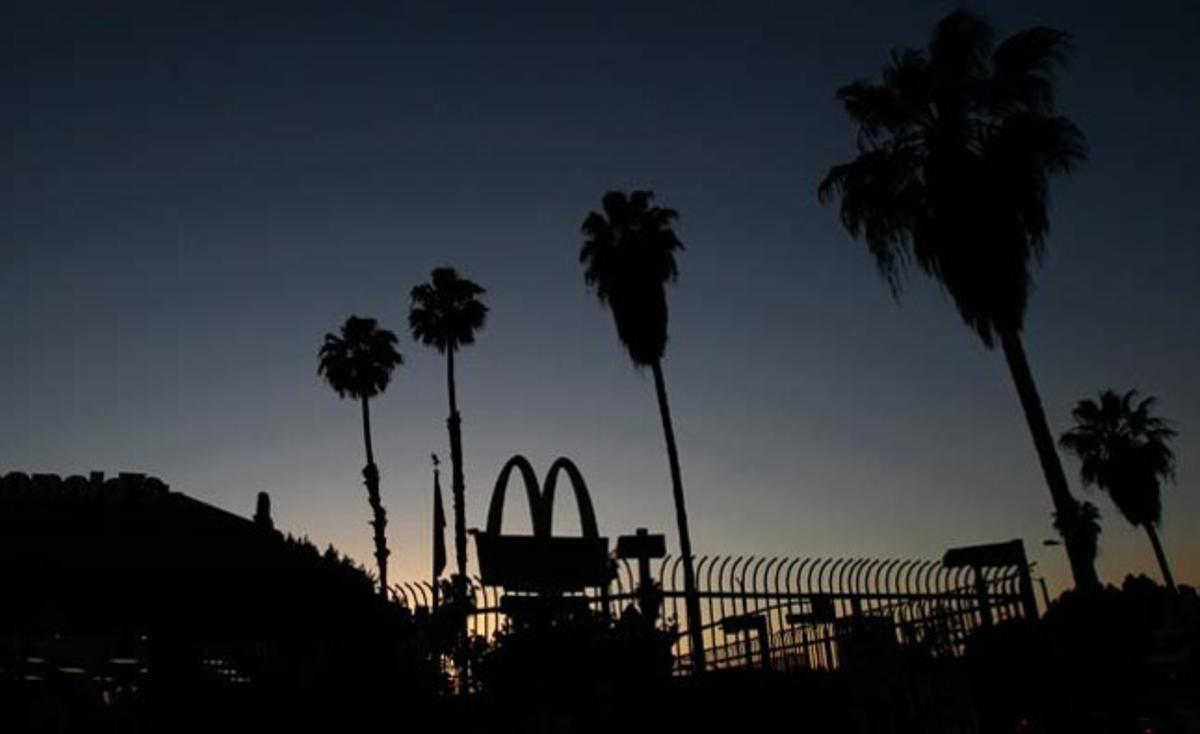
{"points": [[439, 521]]}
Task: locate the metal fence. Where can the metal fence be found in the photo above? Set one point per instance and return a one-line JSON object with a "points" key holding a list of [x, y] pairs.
{"points": [[801, 613]]}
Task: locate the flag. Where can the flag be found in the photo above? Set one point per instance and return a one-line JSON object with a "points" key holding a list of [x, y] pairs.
{"points": [[439, 525]]}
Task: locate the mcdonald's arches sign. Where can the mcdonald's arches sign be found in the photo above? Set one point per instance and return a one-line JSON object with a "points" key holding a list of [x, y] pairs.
{"points": [[542, 562]]}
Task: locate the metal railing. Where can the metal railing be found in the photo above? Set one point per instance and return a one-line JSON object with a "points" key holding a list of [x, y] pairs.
{"points": [[799, 613]]}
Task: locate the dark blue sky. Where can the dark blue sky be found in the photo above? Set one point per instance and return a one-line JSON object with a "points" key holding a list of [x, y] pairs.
{"points": [[193, 195]]}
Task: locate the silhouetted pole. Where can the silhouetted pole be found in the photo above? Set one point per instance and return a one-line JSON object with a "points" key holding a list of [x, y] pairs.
{"points": [[439, 530], [1045, 592]]}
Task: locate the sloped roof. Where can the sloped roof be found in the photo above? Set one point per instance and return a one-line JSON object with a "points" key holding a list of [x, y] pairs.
{"points": [[126, 552]]}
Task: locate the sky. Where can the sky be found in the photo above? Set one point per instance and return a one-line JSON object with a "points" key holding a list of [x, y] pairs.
{"points": [[195, 194]]}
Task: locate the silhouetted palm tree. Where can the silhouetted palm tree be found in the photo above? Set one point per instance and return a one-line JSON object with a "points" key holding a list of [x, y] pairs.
{"points": [[358, 364], [445, 314], [628, 256], [1124, 451], [955, 150]]}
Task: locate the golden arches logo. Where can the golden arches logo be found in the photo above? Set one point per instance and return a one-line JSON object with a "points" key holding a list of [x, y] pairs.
{"points": [[541, 498], [542, 562]]}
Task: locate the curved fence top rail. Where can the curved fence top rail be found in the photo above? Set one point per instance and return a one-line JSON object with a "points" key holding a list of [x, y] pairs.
{"points": [[793, 575], [797, 576]]}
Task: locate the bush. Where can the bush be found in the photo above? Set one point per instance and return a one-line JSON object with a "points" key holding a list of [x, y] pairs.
{"points": [[572, 662]]}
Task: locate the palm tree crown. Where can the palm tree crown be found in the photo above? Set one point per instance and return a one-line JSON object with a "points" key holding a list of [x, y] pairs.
{"points": [[955, 149], [359, 363], [1124, 451], [628, 256], [446, 312], [956, 146]]}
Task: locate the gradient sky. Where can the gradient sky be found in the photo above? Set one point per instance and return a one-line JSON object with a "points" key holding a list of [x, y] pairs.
{"points": [[193, 195]]}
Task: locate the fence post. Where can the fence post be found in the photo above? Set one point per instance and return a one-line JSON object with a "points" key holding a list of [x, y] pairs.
{"points": [[1027, 598], [981, 597]]}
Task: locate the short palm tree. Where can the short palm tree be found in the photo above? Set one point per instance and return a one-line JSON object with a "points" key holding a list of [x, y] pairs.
{"points": [[358, 364], [445, 314], [956, 147], [1125, 451], [628, 256]]}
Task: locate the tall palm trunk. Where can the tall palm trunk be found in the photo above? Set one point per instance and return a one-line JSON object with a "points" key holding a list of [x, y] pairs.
{"points": [[379, 521], [457, 484], [690, 597], [458, 491], [1065, 506], [1163, 566]]}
